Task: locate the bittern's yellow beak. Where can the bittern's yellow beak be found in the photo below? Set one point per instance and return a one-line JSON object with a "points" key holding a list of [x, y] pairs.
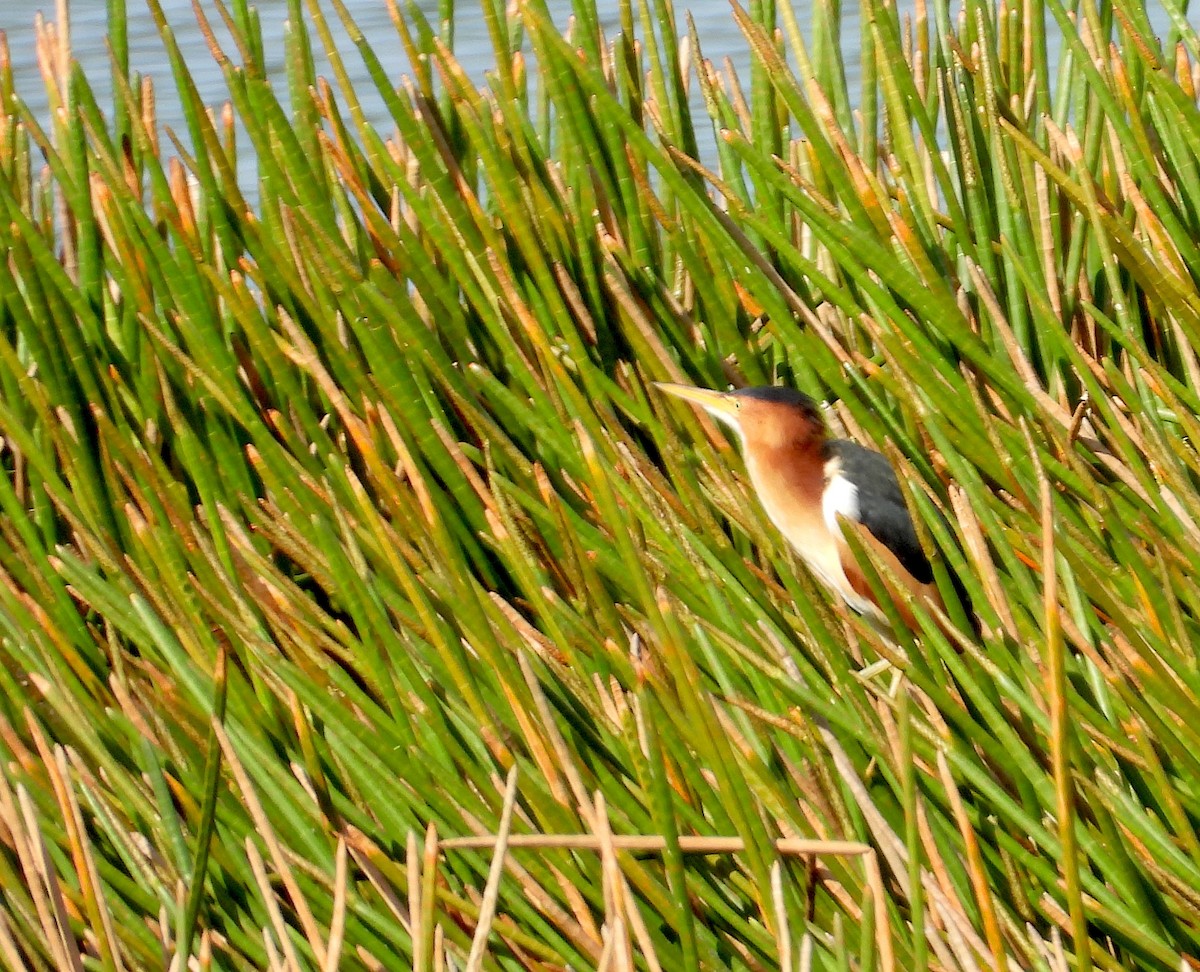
{"points": [[720, 405]]}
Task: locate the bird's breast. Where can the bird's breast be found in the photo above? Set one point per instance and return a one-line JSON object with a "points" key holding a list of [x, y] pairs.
{"points": [[793, 493]]}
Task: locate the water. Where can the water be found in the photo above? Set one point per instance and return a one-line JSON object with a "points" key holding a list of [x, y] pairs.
{"points": [[718, 32], [719, 38]]}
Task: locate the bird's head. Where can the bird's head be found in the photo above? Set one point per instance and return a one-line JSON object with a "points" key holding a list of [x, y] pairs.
{"points": [[766, 418]]}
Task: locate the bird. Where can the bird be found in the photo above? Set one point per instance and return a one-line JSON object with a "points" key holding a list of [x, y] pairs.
{"points": [[809, 482]]}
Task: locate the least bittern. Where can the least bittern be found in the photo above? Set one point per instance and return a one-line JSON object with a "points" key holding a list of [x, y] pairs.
{"points": [[808, 482]]}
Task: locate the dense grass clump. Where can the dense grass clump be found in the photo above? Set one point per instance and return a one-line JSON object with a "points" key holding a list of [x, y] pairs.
{"points": [[344, 523]]}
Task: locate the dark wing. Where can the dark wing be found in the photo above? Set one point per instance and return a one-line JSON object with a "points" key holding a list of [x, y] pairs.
{"points": [[881, 506]]}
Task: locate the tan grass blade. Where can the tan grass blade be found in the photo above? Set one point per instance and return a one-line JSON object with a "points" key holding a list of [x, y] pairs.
{"points": [[491, 893]]}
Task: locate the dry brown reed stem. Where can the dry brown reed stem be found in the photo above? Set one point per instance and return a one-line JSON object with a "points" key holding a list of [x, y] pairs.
{"points": [[487, 910], [258, 867], [337, 928], [262, 821], [617, 951], [616, 928], [790, 846], [783, 932]]}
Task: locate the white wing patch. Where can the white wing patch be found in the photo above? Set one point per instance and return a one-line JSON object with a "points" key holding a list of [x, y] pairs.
{"points": [[839, 499]]}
